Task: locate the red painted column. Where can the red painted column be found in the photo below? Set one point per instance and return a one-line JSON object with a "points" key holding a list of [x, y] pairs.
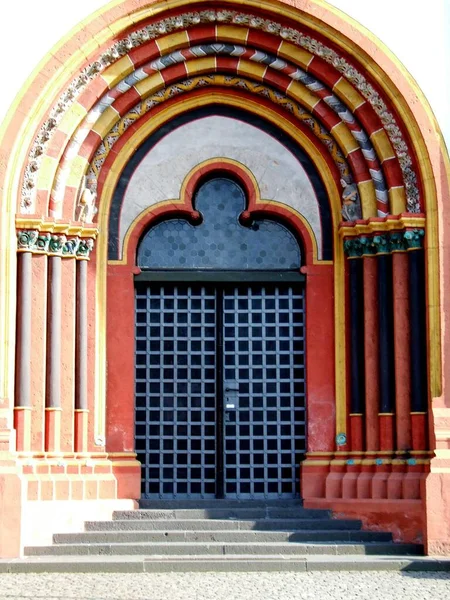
{"points": [[371, 352], [400, 273]]}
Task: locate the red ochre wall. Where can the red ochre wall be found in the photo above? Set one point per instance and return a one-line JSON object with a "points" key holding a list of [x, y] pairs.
{"points": [[57, 470]]}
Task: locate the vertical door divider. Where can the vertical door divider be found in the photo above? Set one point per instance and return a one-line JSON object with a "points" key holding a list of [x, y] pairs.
{"points": [[220, 425]]}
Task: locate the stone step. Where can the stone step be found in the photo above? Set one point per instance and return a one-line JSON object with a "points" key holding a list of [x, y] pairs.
{"points": [[208, 563], [224, 525], [266, 512], [223, 548], [132, 537]]}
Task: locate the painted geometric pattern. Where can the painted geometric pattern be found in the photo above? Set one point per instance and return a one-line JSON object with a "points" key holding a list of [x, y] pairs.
{"points": [[228, 81], [325, 102]]}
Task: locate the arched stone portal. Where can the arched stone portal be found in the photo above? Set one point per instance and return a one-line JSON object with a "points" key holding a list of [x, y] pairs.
{"points": [[286, 99]]}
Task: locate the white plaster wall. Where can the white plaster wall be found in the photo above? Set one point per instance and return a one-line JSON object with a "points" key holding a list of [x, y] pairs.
{"points": [[160, 174], [416, 31], [42, 519]]}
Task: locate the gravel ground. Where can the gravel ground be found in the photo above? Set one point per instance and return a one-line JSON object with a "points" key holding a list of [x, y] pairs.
{"points": [[228, 586]]}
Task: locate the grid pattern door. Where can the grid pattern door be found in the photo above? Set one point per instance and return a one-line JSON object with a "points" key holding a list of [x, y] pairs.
{"points": [[176, 390], [202, 352], [264, 391]]}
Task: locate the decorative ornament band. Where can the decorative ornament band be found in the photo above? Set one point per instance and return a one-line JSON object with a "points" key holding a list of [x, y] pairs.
{"points": [[40, 242], [384, 243]]}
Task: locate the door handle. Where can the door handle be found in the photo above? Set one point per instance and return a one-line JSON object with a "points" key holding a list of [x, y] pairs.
{"points": [[228, 389]]}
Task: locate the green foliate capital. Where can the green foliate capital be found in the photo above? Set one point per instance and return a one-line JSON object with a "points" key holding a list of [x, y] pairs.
{"points": [[56, 244], [382, 244], [353, 248], [398, 242], [26, 239], [414, 238], [85, 247], [368, 247]]}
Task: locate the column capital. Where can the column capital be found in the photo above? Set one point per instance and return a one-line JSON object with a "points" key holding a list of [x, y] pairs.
{"points": [[386, 242], [353, 248], [414, 239], [54, 244]]}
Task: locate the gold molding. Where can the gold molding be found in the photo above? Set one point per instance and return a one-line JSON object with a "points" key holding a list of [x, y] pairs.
{"points": [[53, 226], [393, 223]]}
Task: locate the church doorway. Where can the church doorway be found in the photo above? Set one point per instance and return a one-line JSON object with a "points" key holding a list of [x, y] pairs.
{"points": [[220, 354]]}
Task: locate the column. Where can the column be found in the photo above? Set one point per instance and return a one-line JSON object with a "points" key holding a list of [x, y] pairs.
{"points": [[53, 387], [386, 344], [355, 267], [400, 274], [418, 342], [357, 401], [81, 360], [371, 347], [68, 343], [22, 412]]}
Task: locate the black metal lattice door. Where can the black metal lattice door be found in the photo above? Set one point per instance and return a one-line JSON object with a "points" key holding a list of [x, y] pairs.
{"points": [[220, 390]]}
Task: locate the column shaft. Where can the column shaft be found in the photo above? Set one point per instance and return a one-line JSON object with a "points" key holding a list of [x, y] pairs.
{"points": [[24, 266], [417, 306], [22, 416], [357, 408], [53, 383], [402, 350], [81, 362], [386, 354], [371, 352]]}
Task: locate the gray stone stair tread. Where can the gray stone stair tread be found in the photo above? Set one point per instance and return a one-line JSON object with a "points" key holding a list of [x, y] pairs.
{"points": [[291, 536], [230, 513], [140, 563], [228, 548], [226, 524]]}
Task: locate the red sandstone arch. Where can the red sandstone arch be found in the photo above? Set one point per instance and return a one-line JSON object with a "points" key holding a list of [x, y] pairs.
{"points": [[427, 155]]}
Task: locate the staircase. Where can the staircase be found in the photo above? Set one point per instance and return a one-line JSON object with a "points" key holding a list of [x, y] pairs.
{"points": [[220, 535]]}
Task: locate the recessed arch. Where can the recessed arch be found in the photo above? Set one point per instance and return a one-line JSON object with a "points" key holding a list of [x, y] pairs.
{"points": [[356, 67], [316, 198]]}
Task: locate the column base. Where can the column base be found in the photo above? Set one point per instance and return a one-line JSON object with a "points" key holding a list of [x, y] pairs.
{"points": [[403, 518]]}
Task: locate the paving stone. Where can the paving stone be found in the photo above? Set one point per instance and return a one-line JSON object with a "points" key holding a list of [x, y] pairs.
{"points": [[228, 586]]}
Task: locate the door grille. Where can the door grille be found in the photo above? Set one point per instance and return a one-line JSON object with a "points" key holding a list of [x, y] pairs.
{"points": [[264, 362], [178, 393], [175, 390]]}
